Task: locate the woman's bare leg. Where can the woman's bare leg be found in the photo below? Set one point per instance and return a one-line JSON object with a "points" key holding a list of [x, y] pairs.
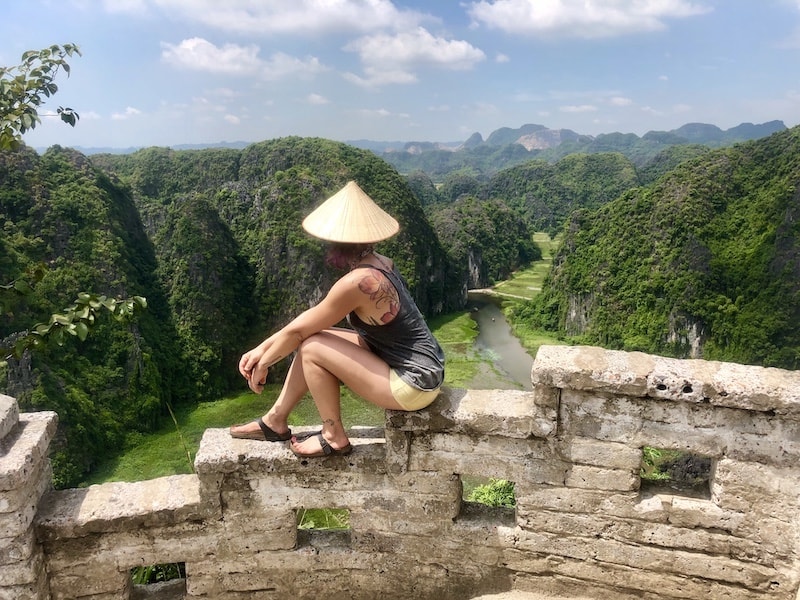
{"points": [[292, 392], [327, 360]]}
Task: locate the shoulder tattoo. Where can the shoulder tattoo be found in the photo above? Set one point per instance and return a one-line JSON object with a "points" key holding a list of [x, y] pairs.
{"points": [[382, 293]]}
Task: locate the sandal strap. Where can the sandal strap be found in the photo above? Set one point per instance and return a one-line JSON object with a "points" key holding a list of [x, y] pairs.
{"points": [[323, 443]]}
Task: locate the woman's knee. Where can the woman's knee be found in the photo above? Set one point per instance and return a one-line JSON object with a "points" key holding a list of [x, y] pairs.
{"points": [[313, 346]]}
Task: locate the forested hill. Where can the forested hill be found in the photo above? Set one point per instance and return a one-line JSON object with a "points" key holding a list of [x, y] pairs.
{"points": [[508, 147], [703, 262], [212, 239]]}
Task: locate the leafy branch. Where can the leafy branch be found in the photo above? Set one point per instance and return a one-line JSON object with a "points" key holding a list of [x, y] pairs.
{"points": [[75, 320], [24, 88]]}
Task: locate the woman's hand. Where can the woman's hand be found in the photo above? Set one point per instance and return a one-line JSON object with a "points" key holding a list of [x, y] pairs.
{"points": [[252, 370]]}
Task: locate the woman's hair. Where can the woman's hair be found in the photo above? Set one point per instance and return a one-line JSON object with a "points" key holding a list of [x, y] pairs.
{"points": [[346, 256]]}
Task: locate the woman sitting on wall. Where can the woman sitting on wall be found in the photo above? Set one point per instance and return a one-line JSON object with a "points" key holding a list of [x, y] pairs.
{"points": [[389, 357]]}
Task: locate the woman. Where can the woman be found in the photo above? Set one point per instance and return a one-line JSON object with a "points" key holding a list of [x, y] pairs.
{"points": [[389, 358]]}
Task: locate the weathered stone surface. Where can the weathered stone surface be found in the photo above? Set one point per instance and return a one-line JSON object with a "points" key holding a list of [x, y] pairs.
{"points": [[110, 586], [597, 478], [635, 374], [589, 451], [17, 549], [9, 415], [510, 413], [220, 453], [24, 572], [30, 491], [572, 447], [24, 449], [120, 507]]}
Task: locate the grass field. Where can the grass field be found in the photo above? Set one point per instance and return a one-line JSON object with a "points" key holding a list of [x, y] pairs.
{"points": [[172, 449], [526, 284]]}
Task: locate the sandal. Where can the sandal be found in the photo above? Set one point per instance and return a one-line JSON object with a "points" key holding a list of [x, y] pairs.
{"points": [[265, 435], [325, 449]]}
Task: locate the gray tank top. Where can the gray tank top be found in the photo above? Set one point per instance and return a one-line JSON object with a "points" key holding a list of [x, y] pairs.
{"points": [[405, 343]]}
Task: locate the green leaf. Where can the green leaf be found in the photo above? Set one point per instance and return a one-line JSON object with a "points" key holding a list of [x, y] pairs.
{"points": [[82, 331]]}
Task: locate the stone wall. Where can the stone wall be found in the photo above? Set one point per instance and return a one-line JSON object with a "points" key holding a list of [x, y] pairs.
{"points": [[583, 524]]}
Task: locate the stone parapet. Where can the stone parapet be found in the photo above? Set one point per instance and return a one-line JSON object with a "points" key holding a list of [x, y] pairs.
{"points": [[584, 524], [25, 477]]}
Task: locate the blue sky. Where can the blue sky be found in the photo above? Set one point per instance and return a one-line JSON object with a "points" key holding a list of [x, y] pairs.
{"points": [[168, 72]]}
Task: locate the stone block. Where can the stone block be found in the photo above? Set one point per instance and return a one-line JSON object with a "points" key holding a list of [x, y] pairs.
{"points": [[592, 369], [119, 506], [588, 451], [24, 572], [219, 453], [17, 523], [510, 413], [38, 590], [517, 460], [257, 533], [755, 487], [729, 385], [111, 585], [695, 512], [531, 499], [17, 549], [31, 491], [613, 582], [25, 448], [598, 478], [9, 415]]}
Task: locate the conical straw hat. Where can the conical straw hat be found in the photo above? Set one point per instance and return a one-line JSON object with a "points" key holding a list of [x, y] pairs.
{"points": [[350, 217]]}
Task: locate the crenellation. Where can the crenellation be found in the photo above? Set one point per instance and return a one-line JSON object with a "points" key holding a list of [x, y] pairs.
{"points": [[583, 524], [25, 448]]}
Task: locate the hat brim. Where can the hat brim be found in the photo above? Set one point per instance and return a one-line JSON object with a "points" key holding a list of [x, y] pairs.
{"points": [[350, 216]]}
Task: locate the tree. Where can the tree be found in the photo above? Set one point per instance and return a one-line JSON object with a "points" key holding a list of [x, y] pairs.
{"points": [[24, 88]]}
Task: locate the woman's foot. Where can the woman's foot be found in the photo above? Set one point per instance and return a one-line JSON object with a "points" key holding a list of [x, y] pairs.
{"points": [[261, 429], [317, 446]]}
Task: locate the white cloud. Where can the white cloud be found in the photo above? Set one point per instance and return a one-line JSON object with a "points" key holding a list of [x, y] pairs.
{"points": [[580, 108], [282, 65], [201, 55], [298, 16], [416, 47], [375, 112], [129, 112], [316, 99], [232, 119], [198, 54], [579, 18], [391, 58], [376, 77], [652, 111], [501, 58], [620, 101]]}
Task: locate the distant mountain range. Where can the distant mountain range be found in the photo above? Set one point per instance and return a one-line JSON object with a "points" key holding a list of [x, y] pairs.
{"points": [[531, 137], [540, 137]]}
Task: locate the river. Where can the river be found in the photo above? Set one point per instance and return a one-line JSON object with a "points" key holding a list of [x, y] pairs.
{"points": [[507, 364]]}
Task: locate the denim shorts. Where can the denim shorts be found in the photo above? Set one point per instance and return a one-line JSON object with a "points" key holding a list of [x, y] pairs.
{"points": [[409, 397]]}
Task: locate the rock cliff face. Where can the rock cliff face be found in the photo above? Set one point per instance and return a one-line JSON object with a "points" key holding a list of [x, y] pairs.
{"points": [[548, 138], [702, 262]]}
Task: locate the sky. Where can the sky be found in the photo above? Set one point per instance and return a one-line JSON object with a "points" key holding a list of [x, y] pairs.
{"points": [[172, 72]]}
